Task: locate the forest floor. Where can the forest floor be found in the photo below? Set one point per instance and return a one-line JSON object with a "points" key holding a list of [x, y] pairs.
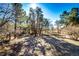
{"points": [[49, 46], [40, 46], [74, 42]]}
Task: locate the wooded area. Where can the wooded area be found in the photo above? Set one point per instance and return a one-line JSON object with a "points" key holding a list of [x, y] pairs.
{"points": [[33, 35]]}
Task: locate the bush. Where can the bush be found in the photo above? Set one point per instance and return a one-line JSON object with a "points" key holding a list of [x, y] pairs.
{"points": [[74, 32]]}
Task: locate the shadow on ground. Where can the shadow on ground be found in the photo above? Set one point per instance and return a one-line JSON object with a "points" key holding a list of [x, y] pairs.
{"points": [[31, 45], [66, 49], [46, 46]]}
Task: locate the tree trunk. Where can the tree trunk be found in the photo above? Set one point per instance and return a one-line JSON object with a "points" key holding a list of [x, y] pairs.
{"points": [[15, 28]]}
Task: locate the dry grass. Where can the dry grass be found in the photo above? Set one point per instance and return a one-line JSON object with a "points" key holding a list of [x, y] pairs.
{"points": [[68, 40], [72, 41]]}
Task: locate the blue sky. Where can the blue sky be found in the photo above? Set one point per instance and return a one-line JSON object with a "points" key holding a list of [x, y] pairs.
{"points": [[52, 11]]}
